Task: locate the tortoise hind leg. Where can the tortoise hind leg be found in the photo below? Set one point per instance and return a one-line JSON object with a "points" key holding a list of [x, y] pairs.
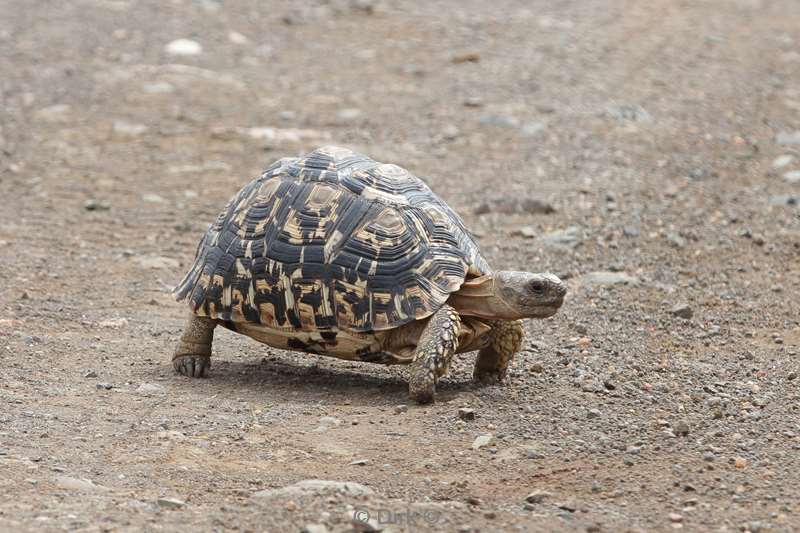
{"points": [[437, 344], [193, 355], [505, 340]]}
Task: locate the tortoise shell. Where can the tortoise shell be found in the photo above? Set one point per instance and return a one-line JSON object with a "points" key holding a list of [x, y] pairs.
{"points": [[331, 240]]}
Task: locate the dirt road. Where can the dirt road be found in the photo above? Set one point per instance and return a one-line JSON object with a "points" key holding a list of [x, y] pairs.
{"points": [[664, 135]]}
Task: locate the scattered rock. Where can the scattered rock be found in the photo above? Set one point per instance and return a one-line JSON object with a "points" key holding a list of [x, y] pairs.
{"points": [[482, 440], [104, 386], [450, 132], [402, 408], [158, 87], [466, 414], [608, 278], [740, 462], [316, 486], [675, 518], [594, 413], [682, 310], [788, 137], [473, 101], [170, 503], [675, 240], [526, 206], [359, 462], [183, 47], [538, 496], [90, 374]]}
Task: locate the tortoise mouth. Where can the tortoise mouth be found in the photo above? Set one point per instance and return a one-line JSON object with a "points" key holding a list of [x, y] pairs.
{"points": [[549, 309]]}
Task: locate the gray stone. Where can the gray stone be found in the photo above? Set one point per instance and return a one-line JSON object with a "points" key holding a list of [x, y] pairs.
{"points": [[499, 121], [466, 414], [568, 238], [359, 462], [594, 413], [682, 310], [402, 408]]}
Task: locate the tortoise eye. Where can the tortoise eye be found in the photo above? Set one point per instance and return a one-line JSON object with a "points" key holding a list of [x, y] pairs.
{"points": [[537, 287]]}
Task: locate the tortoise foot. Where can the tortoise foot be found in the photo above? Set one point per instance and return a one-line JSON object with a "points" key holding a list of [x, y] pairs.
{"points": [[487, 378], [194, 366]]}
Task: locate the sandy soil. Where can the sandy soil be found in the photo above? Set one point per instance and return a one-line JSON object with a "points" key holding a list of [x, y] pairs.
{"points": [[665, 134]]}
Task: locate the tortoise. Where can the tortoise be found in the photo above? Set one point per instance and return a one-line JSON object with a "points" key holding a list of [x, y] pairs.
{"points": [[333, 253]]}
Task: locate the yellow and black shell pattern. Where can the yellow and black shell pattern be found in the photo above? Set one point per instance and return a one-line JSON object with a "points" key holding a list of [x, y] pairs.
{"points": [[331, 240]]}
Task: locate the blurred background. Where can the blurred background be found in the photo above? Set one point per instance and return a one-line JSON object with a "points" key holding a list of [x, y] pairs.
{"points": [[648, 152]]}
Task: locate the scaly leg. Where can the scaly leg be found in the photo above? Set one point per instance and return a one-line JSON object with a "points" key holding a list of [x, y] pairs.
{"points": [[436, 346], [193, 355], [505, 340]]}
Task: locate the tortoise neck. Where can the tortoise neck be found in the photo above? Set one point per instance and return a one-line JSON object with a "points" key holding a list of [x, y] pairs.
{"points": [[479, 297]]}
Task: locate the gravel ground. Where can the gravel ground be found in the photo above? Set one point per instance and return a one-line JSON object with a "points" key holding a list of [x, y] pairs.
{"points": [[647, 152]]}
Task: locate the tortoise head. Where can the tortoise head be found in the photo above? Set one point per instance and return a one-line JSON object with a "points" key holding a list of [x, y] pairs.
{"points": [[510, 295]]}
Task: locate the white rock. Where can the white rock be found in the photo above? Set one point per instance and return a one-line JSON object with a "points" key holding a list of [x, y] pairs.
{"points": [[149, 388], [237, 38], [159, 87], [183, 47], [316, 486], [326, 423], [153, 198], [782, 161], [171, 503], [482, 440], [284, 134], [128, 129], [54, 113], [80, 485], [115, 323], [793, 176]]}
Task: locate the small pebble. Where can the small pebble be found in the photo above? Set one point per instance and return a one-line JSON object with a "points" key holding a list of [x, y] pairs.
{"points": [[675, 517], [402, 408], [183, 47], [537, 496]]}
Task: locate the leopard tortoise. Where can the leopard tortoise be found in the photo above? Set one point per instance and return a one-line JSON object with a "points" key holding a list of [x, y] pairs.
{"points": [[333, 253]]}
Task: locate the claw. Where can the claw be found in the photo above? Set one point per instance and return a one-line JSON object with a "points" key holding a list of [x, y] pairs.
{"points": [[192, 365]]}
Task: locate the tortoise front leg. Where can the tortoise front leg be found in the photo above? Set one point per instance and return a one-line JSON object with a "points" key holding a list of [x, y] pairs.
{"points": [[193, 355], [505, 340], [436, 346]]}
